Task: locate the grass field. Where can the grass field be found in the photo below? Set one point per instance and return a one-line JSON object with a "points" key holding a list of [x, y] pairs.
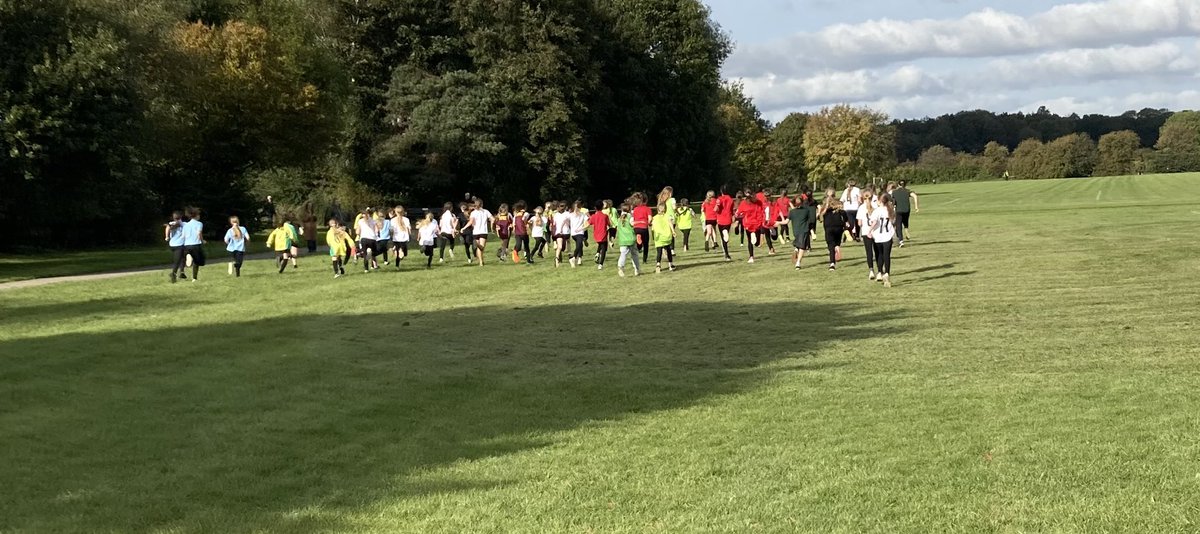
{"points": [[1034, 369], [44, 264]]}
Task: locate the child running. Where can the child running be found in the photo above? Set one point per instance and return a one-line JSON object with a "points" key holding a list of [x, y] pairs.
{"points": [[294, 235], [481, 220], [502, 225], [835, 223], [427, 231], [235, 244], [520, 232], [662, 230], [560, 227], [883, 231], [753, 214], [401, 234], [173, 234], [340, 247], [537, 229], [280, 241], [683, 221], [578, 221], [724, 213], [863, 221], [800, 216], [600, 227], [193, 241], [627, 241], [448, 226], [641, 224], [367, 240], [851, 198], [709, 209]]}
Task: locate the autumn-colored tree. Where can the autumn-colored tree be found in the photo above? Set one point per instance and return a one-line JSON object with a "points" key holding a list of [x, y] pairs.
{"points": [[1118, 154], [846, 142], [995, 159], [938, 157]]}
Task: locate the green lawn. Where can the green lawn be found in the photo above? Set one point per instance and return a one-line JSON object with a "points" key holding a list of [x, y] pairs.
{"points": [[44, 264], [1034, 369]]}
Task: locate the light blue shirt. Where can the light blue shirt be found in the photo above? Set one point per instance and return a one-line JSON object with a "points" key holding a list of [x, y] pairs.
{"points": [[192, 232], [385, 230], [176, 235], [233, 244]]}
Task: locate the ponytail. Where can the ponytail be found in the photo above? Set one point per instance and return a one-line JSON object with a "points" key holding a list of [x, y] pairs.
{"points": [[237, 228]]}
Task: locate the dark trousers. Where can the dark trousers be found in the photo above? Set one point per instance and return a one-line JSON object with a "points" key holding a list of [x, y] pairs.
{"points": [[870, 246], [687, 234], [852, 215], [445, 239], [538, 248], [579, 241], [902, 224], [670, 253], [602, 250], [238, 257], [883, 257], [644, 246], [833, 240]]}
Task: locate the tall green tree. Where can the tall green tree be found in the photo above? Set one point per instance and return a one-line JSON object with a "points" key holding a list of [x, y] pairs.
{"points": [[995, 159], [754, 160], [788, 139]]}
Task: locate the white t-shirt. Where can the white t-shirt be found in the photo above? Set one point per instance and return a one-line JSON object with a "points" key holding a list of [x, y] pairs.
{"points": [[366, 229], [479, 222], [401, 228], [427, 234], [863, 218], [851, 199], [578, 223], [447, 224], [537, 230], [562, 223], [883, 227]]}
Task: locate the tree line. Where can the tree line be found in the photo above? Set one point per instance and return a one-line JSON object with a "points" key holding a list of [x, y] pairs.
{"points": [[115, 112]]}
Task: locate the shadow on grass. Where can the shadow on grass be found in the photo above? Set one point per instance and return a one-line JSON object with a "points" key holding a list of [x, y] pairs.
{"points": [[236, 428]]}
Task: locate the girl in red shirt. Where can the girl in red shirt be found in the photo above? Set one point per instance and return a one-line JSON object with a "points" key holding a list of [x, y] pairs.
{"points": [[641, 224], [600, 225], [709, 209], [724, 211], [752, 211]]}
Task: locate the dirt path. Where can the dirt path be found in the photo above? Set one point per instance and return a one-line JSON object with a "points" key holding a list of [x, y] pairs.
{"points": [[21, 284]]}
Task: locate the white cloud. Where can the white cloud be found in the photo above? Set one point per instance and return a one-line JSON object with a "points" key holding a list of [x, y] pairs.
{"points": [[1112, 105], [986, 33], [970, 87]]}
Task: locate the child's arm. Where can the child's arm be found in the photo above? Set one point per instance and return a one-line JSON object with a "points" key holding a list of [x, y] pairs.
{"points": [[167, 232], [916, 202]]}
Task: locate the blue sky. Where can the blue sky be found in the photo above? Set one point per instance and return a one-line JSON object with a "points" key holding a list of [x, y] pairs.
{"points": [[916, 58]]}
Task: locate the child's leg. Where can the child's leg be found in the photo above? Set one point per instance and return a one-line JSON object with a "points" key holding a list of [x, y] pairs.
{"points": [[603, 246], [239, 257], [621, 258], [869, 245], [687, 235], [670, 255], [282, 260], [637, 267], [659, 251]]}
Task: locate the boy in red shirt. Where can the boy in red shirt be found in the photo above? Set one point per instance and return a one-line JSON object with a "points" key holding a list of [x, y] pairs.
{"points": [[600, 223], [709, 209], [783, 205], [641, 225]]}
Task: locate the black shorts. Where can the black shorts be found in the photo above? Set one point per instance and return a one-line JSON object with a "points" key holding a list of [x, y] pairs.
{"points": [[724, 227], [564, 237], [612, 233], [712, 223], [197, 253], [364, 244], [400, 245]]}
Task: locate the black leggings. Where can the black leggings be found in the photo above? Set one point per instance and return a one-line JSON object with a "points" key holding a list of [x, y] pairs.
{"points": [[522, 244], [670, 254], [833, 240], [644, 246], [687, 234], [238, 257], [446, 239], [428, 250], [869, 244], [579, 241], [339, 266], [602, 250], [721, 230], [750, 244], [852, 215], [883, 257], [468, 245], [539, 246]]}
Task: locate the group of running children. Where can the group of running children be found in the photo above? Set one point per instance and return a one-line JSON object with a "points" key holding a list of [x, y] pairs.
{"points": [[875, 216]]}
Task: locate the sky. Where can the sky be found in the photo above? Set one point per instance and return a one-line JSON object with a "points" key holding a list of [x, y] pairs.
{"points": [[924, 58]]}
